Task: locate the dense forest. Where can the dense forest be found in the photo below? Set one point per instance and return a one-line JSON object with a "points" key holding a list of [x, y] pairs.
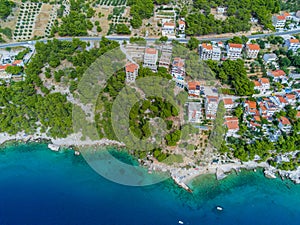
{"points": [[22, 108], [200, 21], [233, 73], [77, 23], [290, 5], [140, 9], [6, 8]]}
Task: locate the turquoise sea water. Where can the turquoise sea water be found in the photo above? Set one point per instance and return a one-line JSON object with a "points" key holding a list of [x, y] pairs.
{"points": [[38, 186]]}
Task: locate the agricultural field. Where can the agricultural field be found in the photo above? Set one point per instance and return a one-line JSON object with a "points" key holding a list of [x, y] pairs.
{"points": [[26, 20], [45, 20], [111, 2], [34, 20]]}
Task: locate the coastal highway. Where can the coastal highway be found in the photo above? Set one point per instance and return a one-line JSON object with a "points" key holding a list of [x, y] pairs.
{"points": [[126, 38]]}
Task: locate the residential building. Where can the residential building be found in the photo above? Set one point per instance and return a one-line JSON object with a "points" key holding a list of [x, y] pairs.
{"points": [[257, 86], [291, 99], [208, 51], [254, 126], [18, 63], [278, 21], [211, 106], [168, 28], [205, 51], [181, 25], [284, 124], [265, 82], [178, 72], [194, 111], [298, 14], [278, 75], [252, 50], [298, 115], [292, 44], [228, 103], [269, 58], [287, 16], [221, 10], [150, 58], [3, 74], [234, 51], [232, 124], [165, 58], [194, 89], [282, 101], [262, 85], [295, 76], [250, 107], [131, 72]]}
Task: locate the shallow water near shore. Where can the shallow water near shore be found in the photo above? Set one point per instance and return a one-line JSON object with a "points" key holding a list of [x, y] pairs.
{"points": [[39, 186]]}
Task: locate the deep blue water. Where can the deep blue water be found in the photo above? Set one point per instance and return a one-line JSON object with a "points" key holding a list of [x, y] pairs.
{"points": [[38, 186]]}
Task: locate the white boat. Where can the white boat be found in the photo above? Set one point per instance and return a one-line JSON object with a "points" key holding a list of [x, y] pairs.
{"points": [[180, 222], [219, 208]]}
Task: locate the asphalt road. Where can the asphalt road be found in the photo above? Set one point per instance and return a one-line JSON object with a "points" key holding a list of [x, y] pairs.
{"points": [[126, 38]]}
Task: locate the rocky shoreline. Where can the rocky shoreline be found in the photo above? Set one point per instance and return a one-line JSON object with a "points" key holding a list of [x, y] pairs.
{"points": [[181, 176]]}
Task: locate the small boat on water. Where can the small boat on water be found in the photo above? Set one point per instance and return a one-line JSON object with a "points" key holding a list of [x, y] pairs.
{"points": [[219, 208], [180, 222]]}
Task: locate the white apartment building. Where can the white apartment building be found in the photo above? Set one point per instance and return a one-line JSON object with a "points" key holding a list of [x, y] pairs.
{"points": [[150, 58], [208, 51], [194, 111], [234, 51], [292, 44], [168, 28], [211, 106], [278, 21], [252, 50], [131, 72], [181, 25], [178, 72]]}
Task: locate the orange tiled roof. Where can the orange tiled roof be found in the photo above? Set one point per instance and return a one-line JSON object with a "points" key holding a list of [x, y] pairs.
{"points": [[255, 124], [290, 96], [169, 24], [181, 22], [131, 67], [151, 51], [284, 120], [193, 84], [281, 99], [286, 14], [278, 73], [298, 114], [232, 123], [178, 62], [207, 46], [294, 41], [232, 45], [17, 62], [256, 83], [253, 46], [3, 67], [262, 107], [257, 118], [281, 17], [251, 104], [264, 80], [228, 101]]}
